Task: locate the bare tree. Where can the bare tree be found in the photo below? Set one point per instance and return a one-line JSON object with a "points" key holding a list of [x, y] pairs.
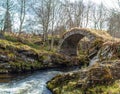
{"points": [[1, 25], [99, 16], [22, 13], [73, 13], [53, 21], [79, 13], [44, 14], [56, 18], [114, 21], [87, 14]]}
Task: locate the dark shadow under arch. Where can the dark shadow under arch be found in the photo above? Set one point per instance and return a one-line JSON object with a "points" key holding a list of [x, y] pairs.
{"points": [[69, 46]]}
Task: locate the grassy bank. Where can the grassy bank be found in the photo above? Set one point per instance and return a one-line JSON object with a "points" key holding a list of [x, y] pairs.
{"points": [[22, 55]]}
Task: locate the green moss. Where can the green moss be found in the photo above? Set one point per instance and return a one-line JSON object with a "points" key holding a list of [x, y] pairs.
{"points": [[84, 59], [101, 89], [37, 65], [3, 70], [10, 38], [76, 82], [97, 42], [21, 66], [63, 83], [111, 89], [11, 55], [33, 45], [57, 90]]}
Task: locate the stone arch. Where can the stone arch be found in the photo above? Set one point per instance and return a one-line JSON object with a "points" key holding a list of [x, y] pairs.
{"points": [[69, 41]]}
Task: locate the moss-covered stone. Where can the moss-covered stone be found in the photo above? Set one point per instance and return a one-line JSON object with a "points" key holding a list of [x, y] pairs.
{"points": [[96, 79], [23, 58]]}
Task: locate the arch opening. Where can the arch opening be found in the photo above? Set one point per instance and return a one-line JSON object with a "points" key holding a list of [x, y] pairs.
{"points": [[70, 44]]}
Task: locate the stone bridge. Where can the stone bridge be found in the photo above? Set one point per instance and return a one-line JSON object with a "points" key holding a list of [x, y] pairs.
{"points": [[69, 41]]}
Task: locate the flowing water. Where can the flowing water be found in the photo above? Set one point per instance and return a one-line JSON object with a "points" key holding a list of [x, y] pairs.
{"points": [[94, 60], [34, 83]]}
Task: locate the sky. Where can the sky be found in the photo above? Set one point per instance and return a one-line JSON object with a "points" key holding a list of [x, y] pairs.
{"points": [[107, 3]]}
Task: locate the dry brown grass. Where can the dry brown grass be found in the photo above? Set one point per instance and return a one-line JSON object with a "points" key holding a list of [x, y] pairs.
{"points": [[24, 36], [98, 33]]}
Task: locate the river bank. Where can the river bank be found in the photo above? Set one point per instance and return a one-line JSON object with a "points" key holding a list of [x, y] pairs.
{"points": [[22, 57], [102, 77], [16, 57]]}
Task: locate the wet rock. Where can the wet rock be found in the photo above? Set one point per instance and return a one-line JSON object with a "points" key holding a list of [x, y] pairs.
{"points": [[47, 60], [94, 48], [4, 58], [109, 50]]}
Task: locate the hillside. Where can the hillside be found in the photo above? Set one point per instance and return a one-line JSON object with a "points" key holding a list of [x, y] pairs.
{"points": [[19, 55]]}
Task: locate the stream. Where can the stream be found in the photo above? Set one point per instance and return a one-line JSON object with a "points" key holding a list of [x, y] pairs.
{"points": [[34, 83]]}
